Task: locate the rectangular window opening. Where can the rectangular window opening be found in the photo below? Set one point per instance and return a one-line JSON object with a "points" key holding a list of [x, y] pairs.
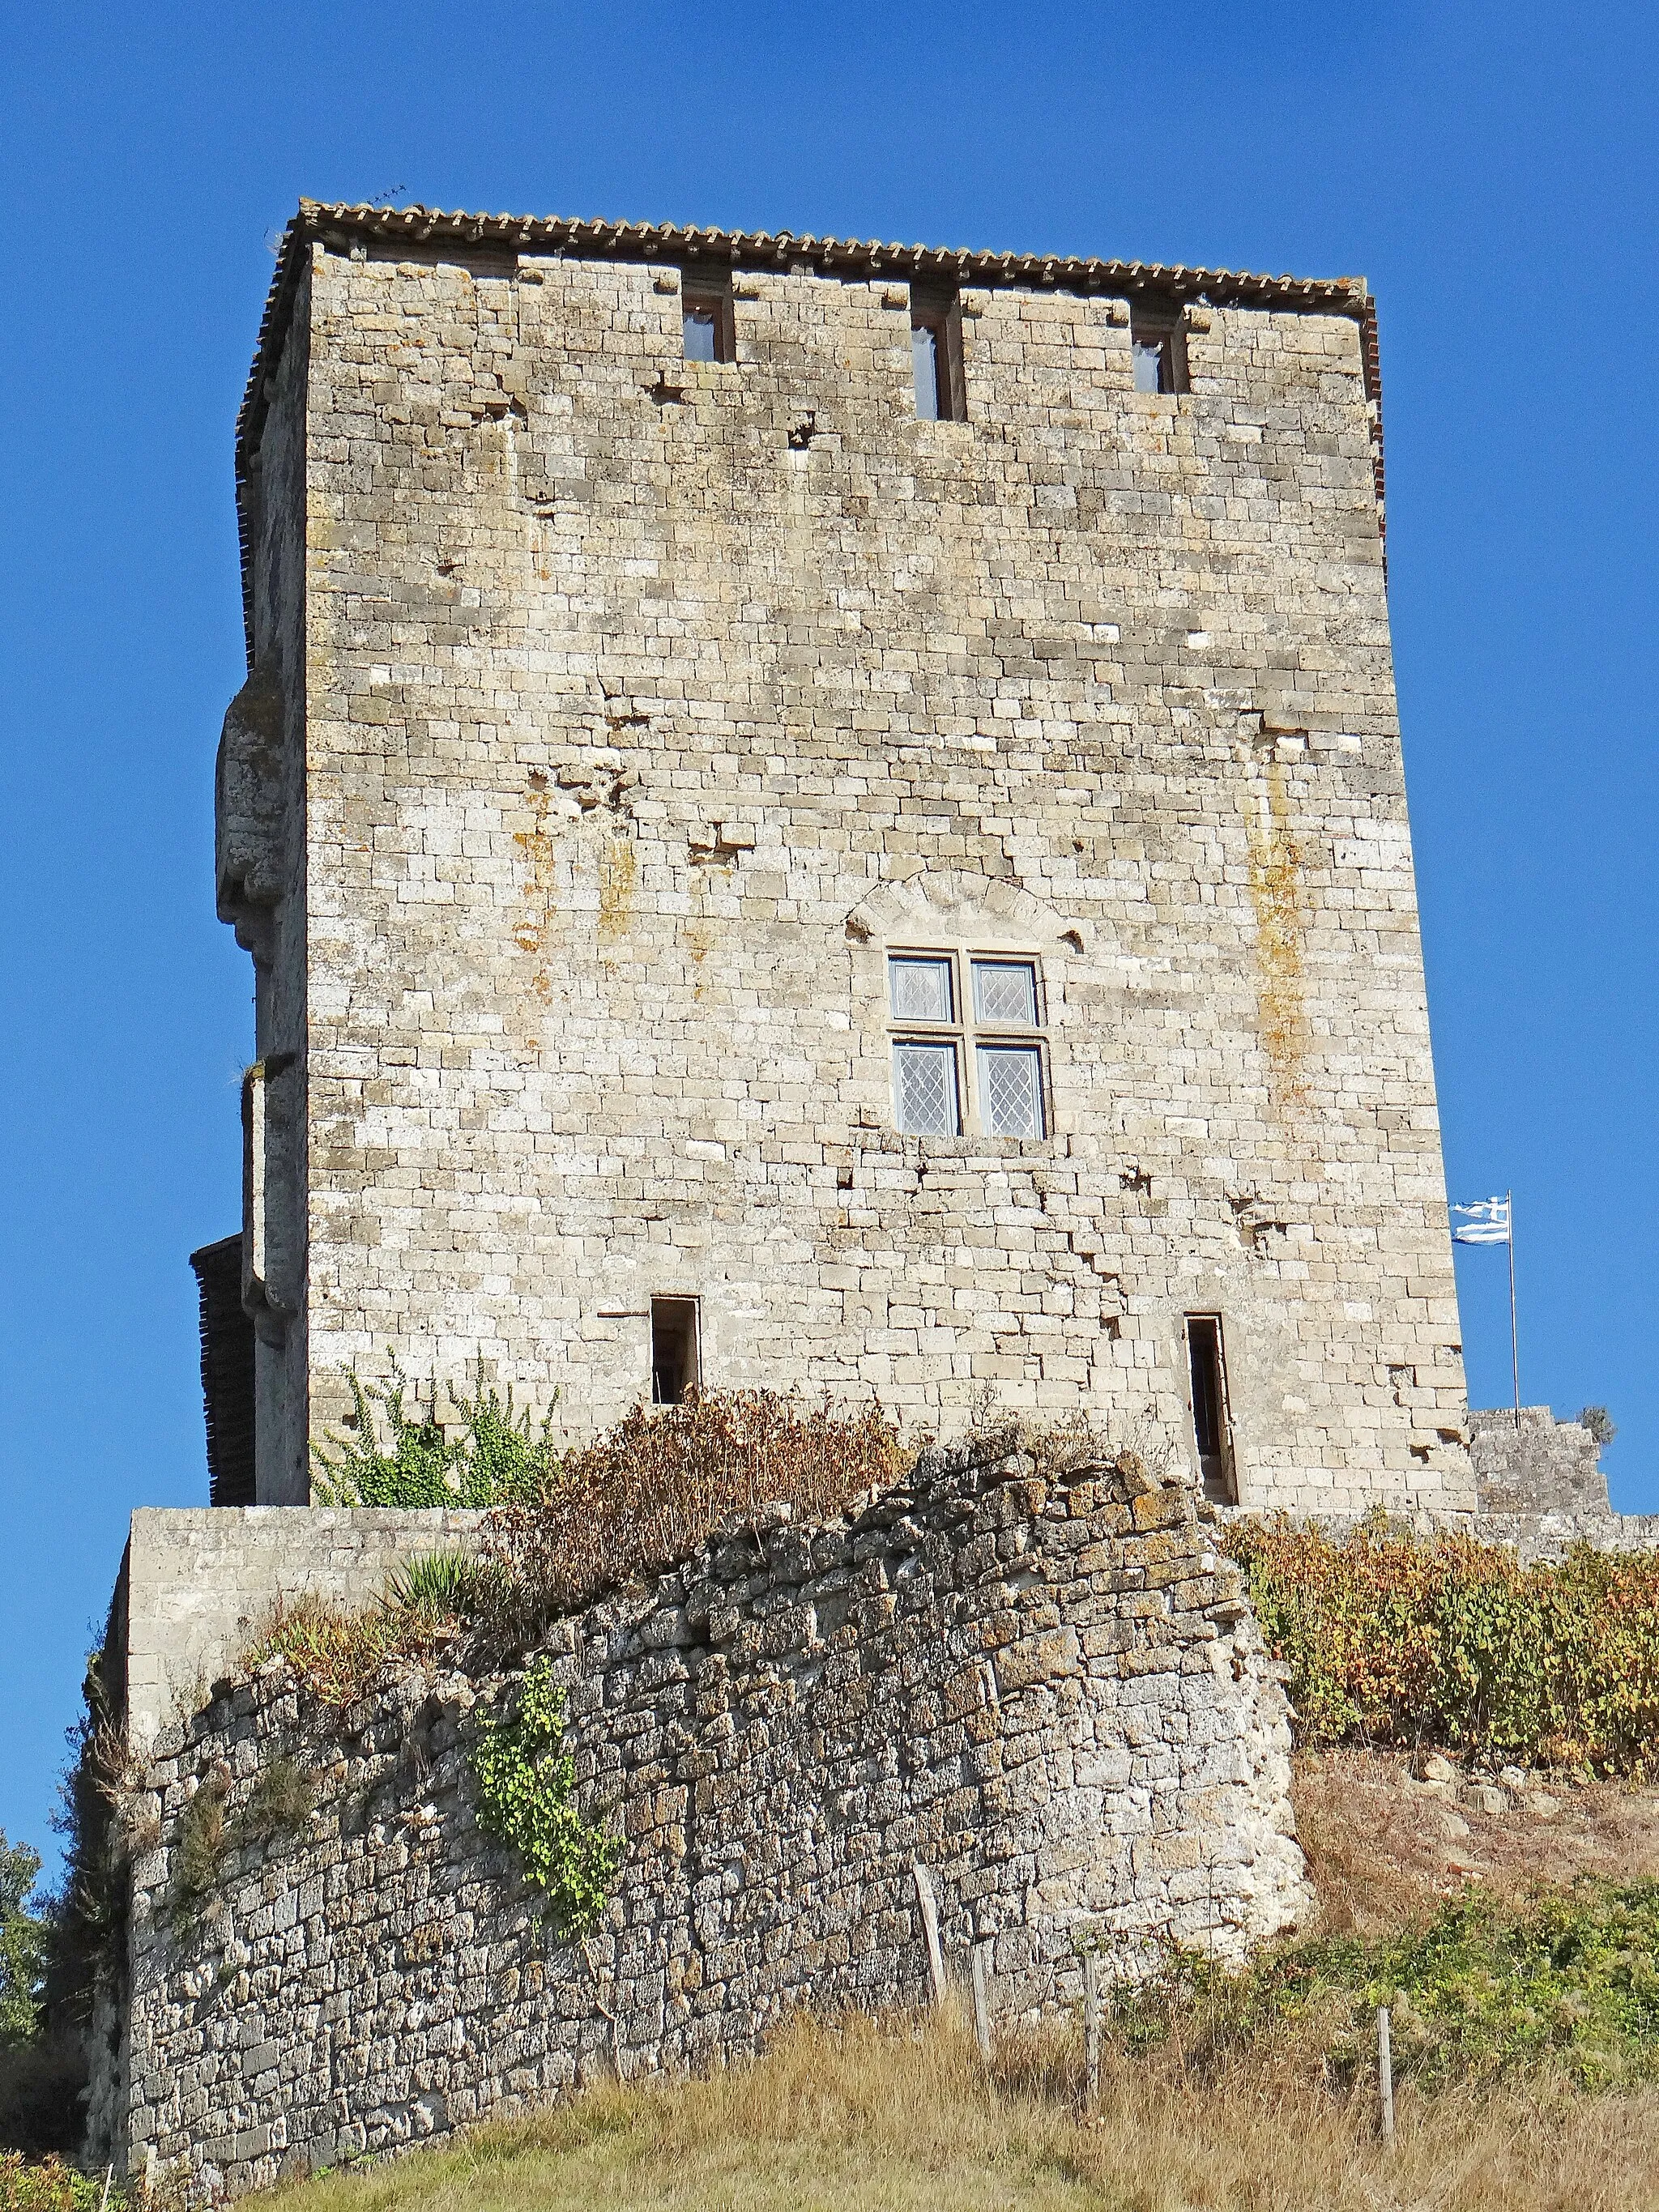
{"points": [[1211, 1424], [708, 318], [936, 357], [1160, 350], [969, 1046], [676, 1357]]}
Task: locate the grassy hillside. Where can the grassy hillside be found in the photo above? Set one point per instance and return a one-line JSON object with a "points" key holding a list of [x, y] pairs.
{"points": [[884, 2117]]}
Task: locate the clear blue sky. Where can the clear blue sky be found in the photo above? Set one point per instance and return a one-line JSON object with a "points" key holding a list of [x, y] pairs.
{"points": [[1490, 168]]}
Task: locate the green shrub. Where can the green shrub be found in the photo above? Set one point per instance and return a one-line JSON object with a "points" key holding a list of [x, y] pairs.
{"points": [[527, 1781], [1393, 1640], [440, 1587], [1568, 1983], [22, 1943], [48, 2186], [499, 1456]]}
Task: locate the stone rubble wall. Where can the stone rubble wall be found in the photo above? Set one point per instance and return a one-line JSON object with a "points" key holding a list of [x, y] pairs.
{"points": [[1043, 1686], [1535, 1464], [1541, 1487]]}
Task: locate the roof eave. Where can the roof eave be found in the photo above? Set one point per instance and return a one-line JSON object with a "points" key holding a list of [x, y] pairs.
{"points": [[423, 226]]}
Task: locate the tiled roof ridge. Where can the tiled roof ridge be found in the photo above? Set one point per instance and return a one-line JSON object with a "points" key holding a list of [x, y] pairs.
{"points": [[627, 242]]}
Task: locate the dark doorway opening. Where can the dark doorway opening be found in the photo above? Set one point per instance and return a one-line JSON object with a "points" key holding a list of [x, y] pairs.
{"points": [[227, 1372], [675, 1367], [1212, 1426]]}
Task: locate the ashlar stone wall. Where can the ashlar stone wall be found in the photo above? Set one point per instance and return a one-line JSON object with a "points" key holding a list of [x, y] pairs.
{"points": [[646, 704], [1040, 1684]]}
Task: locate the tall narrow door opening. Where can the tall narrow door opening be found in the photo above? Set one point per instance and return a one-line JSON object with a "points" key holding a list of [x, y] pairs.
{"points": [[675, 1366], [1212, 1426]]}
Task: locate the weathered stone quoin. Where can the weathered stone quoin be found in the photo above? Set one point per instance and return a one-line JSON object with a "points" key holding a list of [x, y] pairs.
{"points": [[1038, 1683], [614, 716]]}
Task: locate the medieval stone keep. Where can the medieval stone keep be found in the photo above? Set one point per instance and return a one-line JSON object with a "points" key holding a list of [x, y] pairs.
{"points": [[832, 814]]}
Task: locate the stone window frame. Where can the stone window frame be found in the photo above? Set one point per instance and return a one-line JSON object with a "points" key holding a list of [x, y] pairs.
{"points": [[940, 314], [1159, 331], [707, 292], [968, 1036]]}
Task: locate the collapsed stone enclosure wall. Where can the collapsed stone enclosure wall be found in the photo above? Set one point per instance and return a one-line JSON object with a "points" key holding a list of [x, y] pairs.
{"points": [[1042, 1684]]}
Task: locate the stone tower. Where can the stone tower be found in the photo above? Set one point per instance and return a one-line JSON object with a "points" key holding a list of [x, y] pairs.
{"points": [[831, 815]]}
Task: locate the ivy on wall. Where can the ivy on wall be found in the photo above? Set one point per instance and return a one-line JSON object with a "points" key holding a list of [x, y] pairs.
{"points": [[526, 1783]]}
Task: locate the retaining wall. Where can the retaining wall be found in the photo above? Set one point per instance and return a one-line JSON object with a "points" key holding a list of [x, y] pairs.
{"points": [[1043, 1687]]}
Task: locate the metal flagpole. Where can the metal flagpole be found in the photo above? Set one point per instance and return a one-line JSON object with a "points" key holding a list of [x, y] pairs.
{"points": [[1515, 1340]]}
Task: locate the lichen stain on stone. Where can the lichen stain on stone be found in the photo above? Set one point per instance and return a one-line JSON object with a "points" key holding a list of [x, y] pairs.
{"points": [[618, 865], [538, 927], [1276, 893], [700, 942]]}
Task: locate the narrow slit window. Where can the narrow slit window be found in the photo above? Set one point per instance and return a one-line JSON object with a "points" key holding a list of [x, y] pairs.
{"points": [[1212, 1426], [675, 1359], [936, 357], [1160, 351], [709, 320]]}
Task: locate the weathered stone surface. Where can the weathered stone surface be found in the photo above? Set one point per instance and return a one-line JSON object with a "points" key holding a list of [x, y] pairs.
{"points": [[1540, 1488], [1534, 1463], [781, 1729], [605, 734], [199, 1584]]}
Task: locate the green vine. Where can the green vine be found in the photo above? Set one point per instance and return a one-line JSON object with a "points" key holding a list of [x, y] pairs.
{"points": [[525, 1783]]}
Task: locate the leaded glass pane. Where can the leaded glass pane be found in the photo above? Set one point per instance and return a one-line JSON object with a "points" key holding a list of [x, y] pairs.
{"points": [[1005, 991], [925, 1079], [1010, 1090], [921, 990]]}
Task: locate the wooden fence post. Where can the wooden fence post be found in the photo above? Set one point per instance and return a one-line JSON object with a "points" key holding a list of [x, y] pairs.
{"points": [[1091, 2025], [982, 2003], [1385, 2073], [929, 1906]]}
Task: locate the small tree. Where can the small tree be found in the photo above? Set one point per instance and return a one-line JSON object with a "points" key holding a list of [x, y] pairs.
{"points": [[1596, 1420], [22, 1943]]}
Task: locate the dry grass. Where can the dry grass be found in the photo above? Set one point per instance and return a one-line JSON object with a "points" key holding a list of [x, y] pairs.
{"points": [[1385, 1850], [876, 2119]]}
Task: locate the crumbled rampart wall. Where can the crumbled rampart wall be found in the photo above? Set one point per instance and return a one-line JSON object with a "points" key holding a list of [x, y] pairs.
{"points": [[203, 1583], [1045, 1688], [1541, 1487]]}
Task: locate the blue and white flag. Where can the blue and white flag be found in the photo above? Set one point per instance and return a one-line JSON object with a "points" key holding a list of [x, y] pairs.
{"points": [[1486, 1222]]}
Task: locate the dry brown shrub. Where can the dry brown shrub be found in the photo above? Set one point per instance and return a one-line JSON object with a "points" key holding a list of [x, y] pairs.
{"points": [[340, 1656], [667, 1480]]}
